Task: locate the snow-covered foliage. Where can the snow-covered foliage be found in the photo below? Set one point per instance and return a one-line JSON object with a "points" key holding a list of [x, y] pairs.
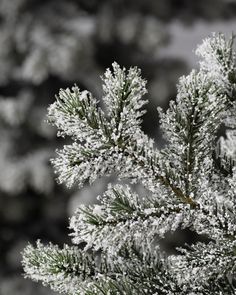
{"points": [[47, 44], [118, 240]]}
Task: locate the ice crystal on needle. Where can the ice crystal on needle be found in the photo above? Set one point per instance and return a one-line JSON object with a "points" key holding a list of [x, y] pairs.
{"points": [[191, 185]]}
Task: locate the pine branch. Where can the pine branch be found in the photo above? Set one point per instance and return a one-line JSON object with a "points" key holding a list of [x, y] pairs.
{"points": [[216, 260], [217, 217], [76, 113], [218, 61], [148, 269], [124, 101], [78, 163], [191, 122], [73, 271], [122, 217], [65, 270], [104, 141], [186, 188]]}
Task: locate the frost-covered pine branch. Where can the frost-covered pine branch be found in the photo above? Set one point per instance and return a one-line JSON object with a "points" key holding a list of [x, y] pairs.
{"points": [[190, 184]]}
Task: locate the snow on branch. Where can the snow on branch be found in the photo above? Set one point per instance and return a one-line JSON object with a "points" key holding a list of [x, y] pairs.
{"points": [[123, 213], [190, 185]]}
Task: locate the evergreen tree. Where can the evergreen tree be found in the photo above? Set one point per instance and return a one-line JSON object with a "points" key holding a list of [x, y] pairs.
{"points": [[117, 242], [47, 44]]}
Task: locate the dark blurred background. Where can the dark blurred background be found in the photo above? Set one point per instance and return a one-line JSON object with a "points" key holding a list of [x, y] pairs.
{"points": [[52, 44]]}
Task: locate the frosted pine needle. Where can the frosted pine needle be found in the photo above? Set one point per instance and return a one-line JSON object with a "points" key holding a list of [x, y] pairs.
{"points": [[190, 184]]}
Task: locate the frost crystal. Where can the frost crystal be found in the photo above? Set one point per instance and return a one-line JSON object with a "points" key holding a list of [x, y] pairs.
{"points": [[191, 184]]}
